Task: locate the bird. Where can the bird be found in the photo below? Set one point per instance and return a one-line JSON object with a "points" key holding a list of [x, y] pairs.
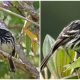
{"points": [[69, 38], [7, 43]]}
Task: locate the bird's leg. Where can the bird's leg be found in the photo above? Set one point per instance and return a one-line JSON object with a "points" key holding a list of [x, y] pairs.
{"points": [[71, 60], [11, 64], [11, 67]]}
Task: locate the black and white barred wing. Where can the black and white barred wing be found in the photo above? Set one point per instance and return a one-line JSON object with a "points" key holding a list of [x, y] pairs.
{"points": [[6, 41], [70, 35]]}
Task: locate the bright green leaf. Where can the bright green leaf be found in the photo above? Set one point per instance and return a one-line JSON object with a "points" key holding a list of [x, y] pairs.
{"points": [[74, 65]]}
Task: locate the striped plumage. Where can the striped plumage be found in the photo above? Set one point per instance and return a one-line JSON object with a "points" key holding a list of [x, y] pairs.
{"points": [[69, 37], [7, 43]]}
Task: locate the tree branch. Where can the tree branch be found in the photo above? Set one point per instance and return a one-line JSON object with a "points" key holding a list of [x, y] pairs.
{"points": [[22, 56], [28, 6], [15, 14], [21, 63]]}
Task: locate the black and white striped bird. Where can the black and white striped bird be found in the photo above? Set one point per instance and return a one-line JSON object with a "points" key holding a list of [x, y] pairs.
{"points": [[7, 43], [69, 37]]}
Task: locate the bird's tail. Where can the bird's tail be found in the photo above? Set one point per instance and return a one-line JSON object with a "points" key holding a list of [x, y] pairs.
{"points": [[45, 60], [11, 64]]}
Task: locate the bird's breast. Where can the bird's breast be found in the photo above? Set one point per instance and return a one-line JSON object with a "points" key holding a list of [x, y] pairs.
{"points": [[7, 47]]}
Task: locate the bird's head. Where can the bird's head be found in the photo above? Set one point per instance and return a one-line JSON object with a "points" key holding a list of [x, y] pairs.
{"points": [[3, 25], [75, 25]]}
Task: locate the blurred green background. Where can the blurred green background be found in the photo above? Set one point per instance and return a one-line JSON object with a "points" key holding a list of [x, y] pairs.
{"points": [[54, 16], [57, 14]]}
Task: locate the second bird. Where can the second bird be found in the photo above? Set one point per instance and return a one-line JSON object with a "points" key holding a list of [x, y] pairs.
{"points": [[69, 37]]}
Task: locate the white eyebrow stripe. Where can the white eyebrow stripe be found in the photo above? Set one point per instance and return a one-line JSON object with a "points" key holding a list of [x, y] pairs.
{"points": [[63, 35], [73, 31]]}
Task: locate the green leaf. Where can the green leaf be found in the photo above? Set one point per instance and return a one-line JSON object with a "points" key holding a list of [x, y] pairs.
{"points": [[47, 44], [61, 59], [26, 44], [71, 77], [74, 65], [58, 60]]}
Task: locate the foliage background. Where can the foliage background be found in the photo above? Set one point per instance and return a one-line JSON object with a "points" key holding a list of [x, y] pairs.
{"points": [[15, 25]]}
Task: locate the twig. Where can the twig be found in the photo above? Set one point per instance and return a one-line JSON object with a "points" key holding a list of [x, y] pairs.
{"points": [[15, 14], [28, 6], [22, 56]]}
